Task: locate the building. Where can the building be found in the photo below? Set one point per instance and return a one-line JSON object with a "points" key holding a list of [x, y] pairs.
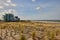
{"points": [[10, 17], [16, 18]]}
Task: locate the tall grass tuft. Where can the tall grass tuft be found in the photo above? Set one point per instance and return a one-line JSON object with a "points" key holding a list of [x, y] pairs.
{"points": [[23, 37]]}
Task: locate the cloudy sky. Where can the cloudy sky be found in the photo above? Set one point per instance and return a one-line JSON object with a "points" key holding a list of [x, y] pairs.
{"points": [[31, 9]]}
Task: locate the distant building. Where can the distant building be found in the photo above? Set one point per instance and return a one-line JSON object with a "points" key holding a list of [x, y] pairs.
{"points": [[16, 18], [10, 17]]}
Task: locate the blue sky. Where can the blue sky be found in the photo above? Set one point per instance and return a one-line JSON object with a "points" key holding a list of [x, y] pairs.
{"points": [[32, 9]]}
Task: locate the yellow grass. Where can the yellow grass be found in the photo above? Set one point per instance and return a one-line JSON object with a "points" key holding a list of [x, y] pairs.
{"points": [[44, 31]]}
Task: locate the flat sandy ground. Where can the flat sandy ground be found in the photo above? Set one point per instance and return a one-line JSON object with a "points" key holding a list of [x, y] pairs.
{"points": [[42, 30]]}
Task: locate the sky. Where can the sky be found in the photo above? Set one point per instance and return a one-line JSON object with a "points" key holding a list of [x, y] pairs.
{"points": [[31, 9]]}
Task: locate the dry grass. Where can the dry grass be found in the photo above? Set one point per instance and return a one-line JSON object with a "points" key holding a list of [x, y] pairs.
{"points": [[43, 31]]}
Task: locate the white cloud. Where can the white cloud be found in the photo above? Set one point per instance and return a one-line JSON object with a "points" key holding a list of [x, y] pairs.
{"points": [[1, 7], [38, 8], [6, 3], [33, 0], [1, 15], [13, 5], [5, 7], [9, 1], [10, 11]]}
